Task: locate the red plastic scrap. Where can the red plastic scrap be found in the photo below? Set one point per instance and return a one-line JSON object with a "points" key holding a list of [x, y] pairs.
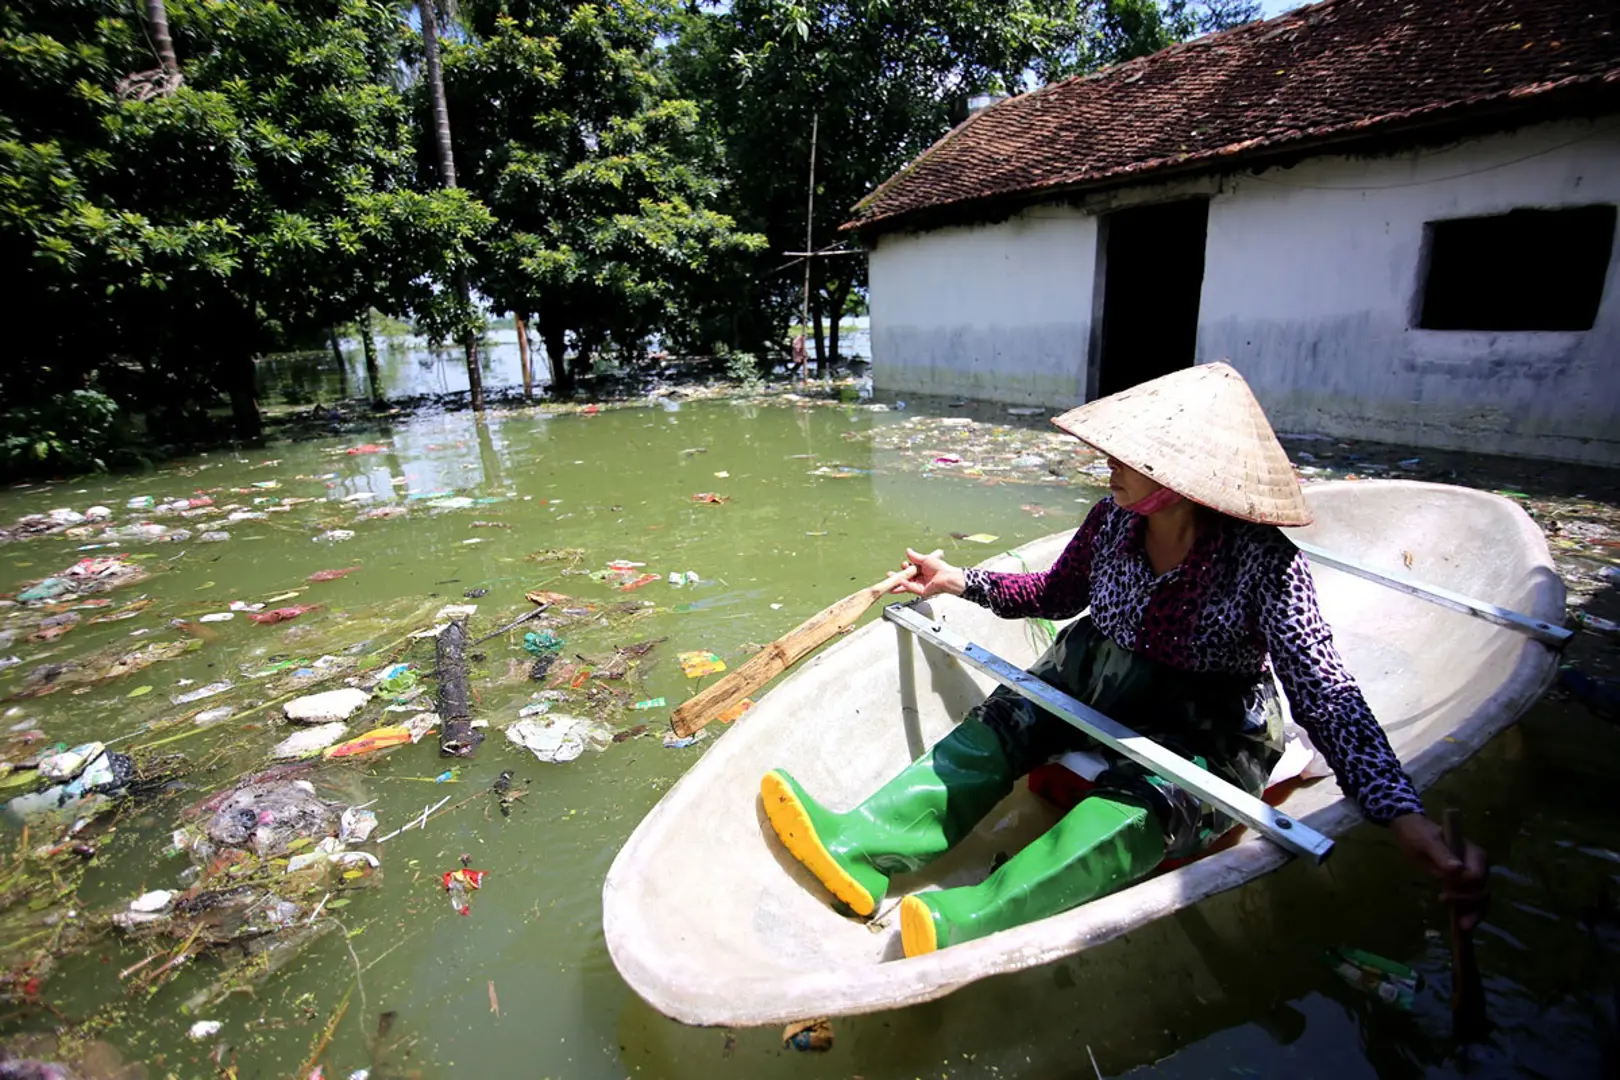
{"points": [[644, 579], [332, 575], [457, 882], [282, 614]]}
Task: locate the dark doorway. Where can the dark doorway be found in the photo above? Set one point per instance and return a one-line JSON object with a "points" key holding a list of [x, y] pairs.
{"points": [[1153, 272]]}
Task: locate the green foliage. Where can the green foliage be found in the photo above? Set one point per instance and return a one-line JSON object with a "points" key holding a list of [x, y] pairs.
{"points": [[742, 368], [1113, 31], [70, 432], [182, 232], [597, 177], [881, 81], [629, 171]]}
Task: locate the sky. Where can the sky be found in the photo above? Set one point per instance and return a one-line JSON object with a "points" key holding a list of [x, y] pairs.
{"points": [[1268, 8]]}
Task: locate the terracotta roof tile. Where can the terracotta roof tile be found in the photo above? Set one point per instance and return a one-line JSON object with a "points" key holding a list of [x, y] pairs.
{"points": [[1338, 69]]}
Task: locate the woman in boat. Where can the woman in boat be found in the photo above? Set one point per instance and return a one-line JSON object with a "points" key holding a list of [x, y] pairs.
{"points": [[1195, 598]]}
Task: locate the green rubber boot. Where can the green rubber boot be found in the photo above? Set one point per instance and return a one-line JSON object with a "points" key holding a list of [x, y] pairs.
{"points": [[1099, 846], [911, 820]]}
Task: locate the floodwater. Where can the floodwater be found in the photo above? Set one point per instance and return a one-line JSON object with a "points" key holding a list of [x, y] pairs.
{"points": [[817, 502], [410, 368]]}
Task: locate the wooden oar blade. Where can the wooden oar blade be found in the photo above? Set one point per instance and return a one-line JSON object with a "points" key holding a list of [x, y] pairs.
{"points": [[780, 655]]}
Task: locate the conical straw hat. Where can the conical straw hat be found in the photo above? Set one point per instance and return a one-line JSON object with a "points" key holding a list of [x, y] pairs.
{"points": [[1201, 433]]}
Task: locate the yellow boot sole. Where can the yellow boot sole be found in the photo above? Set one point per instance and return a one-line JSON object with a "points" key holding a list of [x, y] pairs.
{"points": [[792, 824], [917, 932]]}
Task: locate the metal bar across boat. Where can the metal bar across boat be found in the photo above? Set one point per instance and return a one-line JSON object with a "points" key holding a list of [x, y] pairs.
{"points": [[1546, 632], [1274, 825]]}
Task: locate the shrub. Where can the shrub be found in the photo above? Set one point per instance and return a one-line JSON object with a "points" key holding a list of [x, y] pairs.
{"points": [[69, 432]]}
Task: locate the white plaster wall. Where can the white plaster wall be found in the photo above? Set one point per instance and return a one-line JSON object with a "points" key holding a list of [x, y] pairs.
{"points": [[1000, 312], [1311, 288]]}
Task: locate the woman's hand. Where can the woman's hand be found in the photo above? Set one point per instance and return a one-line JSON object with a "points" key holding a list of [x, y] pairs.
{"points": [[934, 576], [1462, 881]]}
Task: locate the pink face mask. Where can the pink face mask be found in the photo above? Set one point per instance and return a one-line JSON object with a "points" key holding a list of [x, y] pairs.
{"points": [[1155, 502]]}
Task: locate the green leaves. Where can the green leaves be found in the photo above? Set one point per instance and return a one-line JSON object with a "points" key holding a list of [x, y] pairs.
{"points": [[567, 128]]}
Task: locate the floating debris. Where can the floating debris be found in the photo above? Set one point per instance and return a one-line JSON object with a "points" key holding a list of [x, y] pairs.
{"points": [[330, 705], [558, 738]]}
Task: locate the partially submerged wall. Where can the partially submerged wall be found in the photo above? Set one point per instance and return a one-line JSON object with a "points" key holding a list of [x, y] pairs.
{"points": [[1000, 312], [1312, 287]]}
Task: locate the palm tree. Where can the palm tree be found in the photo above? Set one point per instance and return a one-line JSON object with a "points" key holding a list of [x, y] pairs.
{"points": [[447, 171], [158, 16]]}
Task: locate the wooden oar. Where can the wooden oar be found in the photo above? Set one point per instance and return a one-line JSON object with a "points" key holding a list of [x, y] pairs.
{"points": [[782, 654], [1468, 1019]]}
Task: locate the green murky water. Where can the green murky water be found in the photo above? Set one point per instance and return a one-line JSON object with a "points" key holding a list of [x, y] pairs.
{"points": [[1235, 987]]}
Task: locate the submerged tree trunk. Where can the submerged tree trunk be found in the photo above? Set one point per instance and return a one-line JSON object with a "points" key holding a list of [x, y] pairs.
{"points": [[368, 342], [523, 355], [342, 368], [821, 344], [241, 378], [839, 296], [457, 738], [562, 379], [469, 345], [447, 174]]}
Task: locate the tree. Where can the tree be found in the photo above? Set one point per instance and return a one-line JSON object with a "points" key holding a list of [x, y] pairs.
{"points": [[447, 173], [1114, 31], [880, 82], [594, 174], [173, 230]]}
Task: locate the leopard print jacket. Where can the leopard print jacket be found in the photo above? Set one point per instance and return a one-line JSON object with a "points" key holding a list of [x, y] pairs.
{"points": [[1242, 595]]}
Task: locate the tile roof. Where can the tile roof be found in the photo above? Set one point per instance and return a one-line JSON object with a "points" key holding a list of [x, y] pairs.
{"points": [[1332, 72]]}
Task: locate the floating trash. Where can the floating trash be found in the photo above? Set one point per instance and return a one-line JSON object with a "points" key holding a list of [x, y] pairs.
{"points": [[1390, 982], [156, 900], [540, 642], [698, 664], [330, 705], [559, 738], [309, 742], [816, 1035], [200, 693], [204, 1029], [675, 742]]}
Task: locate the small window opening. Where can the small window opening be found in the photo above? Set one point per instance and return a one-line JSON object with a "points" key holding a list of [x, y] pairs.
{"points": [[1524, 270]]}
